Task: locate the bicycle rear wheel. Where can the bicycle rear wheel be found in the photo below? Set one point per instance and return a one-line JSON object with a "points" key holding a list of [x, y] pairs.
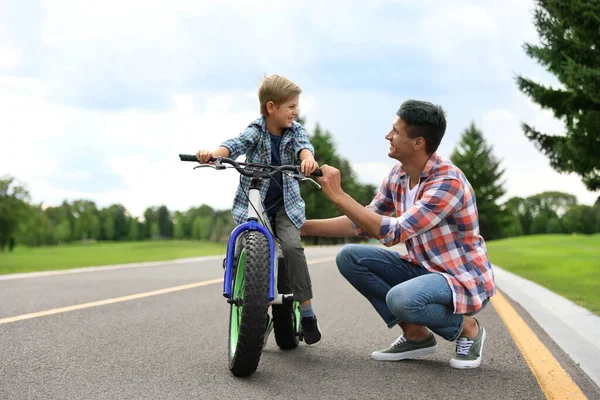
{"points": [[248, 314]]}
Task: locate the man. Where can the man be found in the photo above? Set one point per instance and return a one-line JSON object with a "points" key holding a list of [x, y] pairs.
{"points": [[446, 276]]}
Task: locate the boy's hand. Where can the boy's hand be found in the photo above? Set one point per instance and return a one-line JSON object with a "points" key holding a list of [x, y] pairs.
{"points": [[203, 156], [308, 166]]}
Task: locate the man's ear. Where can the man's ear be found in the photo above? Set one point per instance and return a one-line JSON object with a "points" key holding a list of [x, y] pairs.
{"points": [[420, 143]]}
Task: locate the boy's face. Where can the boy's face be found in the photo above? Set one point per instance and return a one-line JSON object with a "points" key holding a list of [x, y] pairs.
{"points": [[283, 115]]}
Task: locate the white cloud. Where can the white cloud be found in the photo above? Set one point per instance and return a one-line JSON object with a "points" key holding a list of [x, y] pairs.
{"points": [[151, 179], [192, 56]]}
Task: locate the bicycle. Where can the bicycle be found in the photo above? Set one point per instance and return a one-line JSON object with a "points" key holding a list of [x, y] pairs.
{"points": [[255, 276]]}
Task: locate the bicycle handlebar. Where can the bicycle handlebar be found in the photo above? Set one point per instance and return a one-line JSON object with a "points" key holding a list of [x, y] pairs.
{"points": [[243, 171]]}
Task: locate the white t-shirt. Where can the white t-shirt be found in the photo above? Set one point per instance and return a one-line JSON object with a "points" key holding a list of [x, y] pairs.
{"points": [[409, 196]]}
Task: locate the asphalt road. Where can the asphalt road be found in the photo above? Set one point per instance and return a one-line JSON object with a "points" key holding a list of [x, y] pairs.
{"points": [[174, 345]]}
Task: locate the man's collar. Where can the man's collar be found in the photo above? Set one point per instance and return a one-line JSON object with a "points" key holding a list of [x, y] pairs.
{"points": [[433, 160]]}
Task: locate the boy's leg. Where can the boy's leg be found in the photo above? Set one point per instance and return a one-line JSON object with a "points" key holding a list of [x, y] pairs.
{"points": [[293, 254], [295, 261]]}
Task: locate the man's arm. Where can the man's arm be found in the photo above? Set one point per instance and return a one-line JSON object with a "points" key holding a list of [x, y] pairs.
{"points": [[369, 221], [330, 227]]}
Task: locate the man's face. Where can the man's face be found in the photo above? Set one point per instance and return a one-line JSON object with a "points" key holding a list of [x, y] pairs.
{"points": [[401, 146]]}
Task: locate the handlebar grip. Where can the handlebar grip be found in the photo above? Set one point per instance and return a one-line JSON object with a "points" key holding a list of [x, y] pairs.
{"points": [[317, 172], [188, 157]]}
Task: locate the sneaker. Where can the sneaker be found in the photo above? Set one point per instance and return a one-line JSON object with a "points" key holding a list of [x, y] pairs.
{"points": [[268, 330], [311, 332], [403, 348], [469, 351]]}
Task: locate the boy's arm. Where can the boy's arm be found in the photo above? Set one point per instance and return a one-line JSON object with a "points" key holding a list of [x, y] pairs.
{"points": [[221, 152], [241, 144], [301, 143], [306, 154]]}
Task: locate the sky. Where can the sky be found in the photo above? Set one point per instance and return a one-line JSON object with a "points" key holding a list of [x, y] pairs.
{"points": [[97, 99]]}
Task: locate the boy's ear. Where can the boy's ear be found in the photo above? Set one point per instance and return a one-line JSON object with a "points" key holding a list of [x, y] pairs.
{"points": [[270, 107]]}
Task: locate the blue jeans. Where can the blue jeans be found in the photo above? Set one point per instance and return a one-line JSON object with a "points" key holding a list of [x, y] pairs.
{"points": [[401, 291]]}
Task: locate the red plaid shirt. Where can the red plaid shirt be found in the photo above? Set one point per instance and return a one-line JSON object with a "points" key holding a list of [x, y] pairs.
{"points": [[440, 231]]}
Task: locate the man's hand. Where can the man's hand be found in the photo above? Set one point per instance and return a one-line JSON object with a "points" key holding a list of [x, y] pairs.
{"points": [[203, 156], [308, 166], [331, 182]]}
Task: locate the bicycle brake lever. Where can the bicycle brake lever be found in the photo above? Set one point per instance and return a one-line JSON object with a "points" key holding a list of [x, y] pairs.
{"points": [[205, 166], [304, 178], [218, 163]]}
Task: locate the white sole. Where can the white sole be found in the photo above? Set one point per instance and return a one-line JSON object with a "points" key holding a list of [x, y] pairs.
{"points": [[460, 364], [377, 356], [320, 340]]}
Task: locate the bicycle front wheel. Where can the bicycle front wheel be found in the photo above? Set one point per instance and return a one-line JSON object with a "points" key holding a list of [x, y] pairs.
{"points": [[249, 310]]}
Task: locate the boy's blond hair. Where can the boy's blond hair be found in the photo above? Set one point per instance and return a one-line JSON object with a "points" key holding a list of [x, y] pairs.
{"points": [[277, 89]]}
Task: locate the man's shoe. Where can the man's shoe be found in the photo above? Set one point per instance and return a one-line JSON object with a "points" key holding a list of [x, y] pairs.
{"points": [[310, 331], [403, 348], [469, 351]]}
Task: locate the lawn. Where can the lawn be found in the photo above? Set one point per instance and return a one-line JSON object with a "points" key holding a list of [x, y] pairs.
{"points": [[25, 259], [567, 265]]}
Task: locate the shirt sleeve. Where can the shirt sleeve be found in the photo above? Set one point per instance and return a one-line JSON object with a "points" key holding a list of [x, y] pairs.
{"points": [[442, 197], [301, 142], [244, 142]]}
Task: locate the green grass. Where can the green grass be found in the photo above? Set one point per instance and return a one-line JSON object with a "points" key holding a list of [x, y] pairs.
{"points": [[25, 259], [567, 265]]}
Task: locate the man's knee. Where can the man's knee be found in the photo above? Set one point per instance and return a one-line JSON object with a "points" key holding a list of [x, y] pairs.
{"points": [[346, 260], [403, 302]]}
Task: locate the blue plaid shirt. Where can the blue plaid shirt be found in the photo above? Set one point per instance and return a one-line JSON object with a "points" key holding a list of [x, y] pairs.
{"points": [[255, 142]]}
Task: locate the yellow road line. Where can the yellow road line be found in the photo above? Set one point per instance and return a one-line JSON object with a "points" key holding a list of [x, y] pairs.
{"points": [[554, 381], [126, 298], [108, 301]]}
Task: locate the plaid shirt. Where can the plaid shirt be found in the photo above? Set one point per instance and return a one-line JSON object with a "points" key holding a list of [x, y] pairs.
{"points": [[255, 142], [441, 230]]}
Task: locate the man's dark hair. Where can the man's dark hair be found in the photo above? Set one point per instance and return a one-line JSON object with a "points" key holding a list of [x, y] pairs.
{"points": [[424, 119]]}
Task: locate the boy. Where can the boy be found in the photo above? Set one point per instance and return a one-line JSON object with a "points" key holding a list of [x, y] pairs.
{"points": [[276, 139]]}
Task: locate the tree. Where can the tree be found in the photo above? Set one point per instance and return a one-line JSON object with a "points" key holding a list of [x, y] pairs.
{"points": [[512, 226], [119, 225], [109, 228], [62, 233], [552, 202], [474, 157], [317, 205], [87, 221], [14, 209], [570, 34], [134, 230], [165, 223], [520, 208], [179, 225], [580, 219], [150, 218]]}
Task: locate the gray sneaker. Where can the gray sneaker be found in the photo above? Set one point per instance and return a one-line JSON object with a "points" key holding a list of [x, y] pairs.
{"points": [[469, 351], [403, 348]]}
